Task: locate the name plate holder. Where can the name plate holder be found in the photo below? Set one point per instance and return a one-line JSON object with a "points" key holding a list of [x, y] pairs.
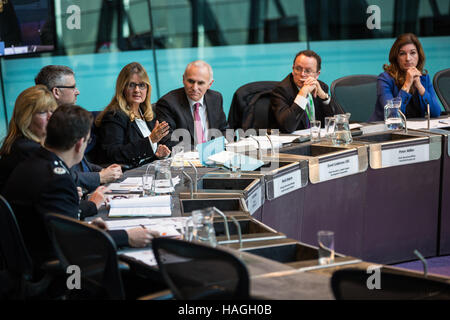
{"points": [[338, 165], [396, 153], [286, 179]]}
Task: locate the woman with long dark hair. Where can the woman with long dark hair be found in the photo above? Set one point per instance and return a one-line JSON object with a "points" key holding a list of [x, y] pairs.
{"points": [[405, 77]]}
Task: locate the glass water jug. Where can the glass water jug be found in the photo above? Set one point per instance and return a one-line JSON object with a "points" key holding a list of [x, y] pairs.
{"points": [[342, 134]]}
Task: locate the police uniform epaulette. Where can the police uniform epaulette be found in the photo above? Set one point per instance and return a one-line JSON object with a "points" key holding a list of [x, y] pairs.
{"points": [[60, 168]]}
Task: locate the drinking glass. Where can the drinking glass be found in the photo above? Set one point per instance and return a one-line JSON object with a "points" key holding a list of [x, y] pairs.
{"points": [[326, 247], [315, 131], [330, 123]]}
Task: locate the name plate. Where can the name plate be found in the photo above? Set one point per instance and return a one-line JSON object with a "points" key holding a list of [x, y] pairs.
{"points": [[338, 168], [405, 155], [254, 201], [287, 183]]}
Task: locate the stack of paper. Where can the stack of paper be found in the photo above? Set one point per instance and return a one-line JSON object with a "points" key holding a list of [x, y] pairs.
{"points": [[132, 184], [167, 227], [141, 207], [227, 158], [423, 124]]}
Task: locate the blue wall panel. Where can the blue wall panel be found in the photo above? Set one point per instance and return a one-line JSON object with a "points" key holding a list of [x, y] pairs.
{"points": [[233, 66]]}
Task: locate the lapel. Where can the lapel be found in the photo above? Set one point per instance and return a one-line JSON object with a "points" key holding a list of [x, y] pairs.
{"points": [[207, 102], [135, 128], [186, 112], [294, 92]]}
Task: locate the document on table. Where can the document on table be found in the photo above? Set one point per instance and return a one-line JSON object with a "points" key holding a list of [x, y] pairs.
{"points": [[249, 144], [145, 256], [226, 158], [167, 227], [175, 222], [132, 184], [147, 206], [423, 124]]}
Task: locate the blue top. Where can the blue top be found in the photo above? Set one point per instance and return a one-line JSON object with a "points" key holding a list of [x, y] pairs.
{"points": [[386, 90]]}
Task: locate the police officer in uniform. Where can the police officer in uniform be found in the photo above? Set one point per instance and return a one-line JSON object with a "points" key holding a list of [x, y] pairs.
{"points": [[43, 184]]}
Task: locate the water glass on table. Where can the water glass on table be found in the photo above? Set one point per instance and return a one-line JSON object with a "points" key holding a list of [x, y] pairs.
{"points": [[330, 123], [326, 247], [235, 166], [177, 162], [315, 130], [147, 182]]}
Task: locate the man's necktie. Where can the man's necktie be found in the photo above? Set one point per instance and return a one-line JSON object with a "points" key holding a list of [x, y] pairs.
{"points": [[198, 124]]}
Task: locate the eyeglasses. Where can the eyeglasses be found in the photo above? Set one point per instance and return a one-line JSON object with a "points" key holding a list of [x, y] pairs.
{"points": [[300, 70], [67, 87], [141, 85], [44, 113]]}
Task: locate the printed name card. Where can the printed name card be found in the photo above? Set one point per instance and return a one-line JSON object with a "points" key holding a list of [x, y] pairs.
{"points": [[405, 155], [338, 168], [287, 183], [254, 201]]}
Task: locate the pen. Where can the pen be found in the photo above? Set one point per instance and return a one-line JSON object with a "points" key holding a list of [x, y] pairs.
{"points": [[143, 226], [440, 121]]}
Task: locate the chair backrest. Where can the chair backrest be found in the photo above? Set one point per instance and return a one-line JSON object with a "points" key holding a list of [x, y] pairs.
{"points": [[92, 250], [352, 284], [194, 271], [250, 107], [356, 94], [441, 84], [15, 254]]}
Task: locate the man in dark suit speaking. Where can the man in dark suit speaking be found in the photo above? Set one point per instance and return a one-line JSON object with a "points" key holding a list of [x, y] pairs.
{"points": [[193, 112], [301, 97]]}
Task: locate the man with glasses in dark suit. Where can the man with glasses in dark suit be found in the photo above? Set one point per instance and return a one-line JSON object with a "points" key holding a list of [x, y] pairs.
{"points": [[301, 98]]}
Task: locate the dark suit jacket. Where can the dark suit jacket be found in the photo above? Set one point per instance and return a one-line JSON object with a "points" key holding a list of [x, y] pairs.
{"points": [[289, 115], [121, 141], [175, 110], [22, 149], [90, 179], [39, 185]]}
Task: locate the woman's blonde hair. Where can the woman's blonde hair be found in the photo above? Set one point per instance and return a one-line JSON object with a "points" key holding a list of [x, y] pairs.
{"points": [[29, 102], [119, 102], [394, 69]]}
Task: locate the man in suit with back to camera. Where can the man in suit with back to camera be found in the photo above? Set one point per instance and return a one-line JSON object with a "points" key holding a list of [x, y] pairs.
{"points": [[60, 80], [301, 97], [194, 107]]}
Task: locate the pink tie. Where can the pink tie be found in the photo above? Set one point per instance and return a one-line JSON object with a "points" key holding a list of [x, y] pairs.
{"points": [[198, 124]]}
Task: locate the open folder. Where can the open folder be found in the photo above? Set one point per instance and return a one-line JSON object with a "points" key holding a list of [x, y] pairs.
{"points": [[158, 206]]}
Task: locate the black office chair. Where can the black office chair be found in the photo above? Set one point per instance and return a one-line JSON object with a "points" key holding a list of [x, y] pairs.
{"points": [[93, 251], [351, 284], [356, 94], [250, 107], [194, 271], [441, 84], [19, 279]]}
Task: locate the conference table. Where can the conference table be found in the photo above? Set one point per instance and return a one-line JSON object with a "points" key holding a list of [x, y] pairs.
{"points": [[384, 196]]}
